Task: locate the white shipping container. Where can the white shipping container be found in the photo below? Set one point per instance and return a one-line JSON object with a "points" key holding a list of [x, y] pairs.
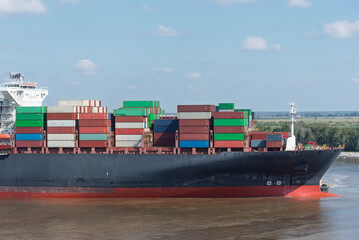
{"points": [[85, 103], [56, 109], [194, 115], [130, 125], [64, 144], [61, 137], [122, 143], [61, 123], [129, 137]]}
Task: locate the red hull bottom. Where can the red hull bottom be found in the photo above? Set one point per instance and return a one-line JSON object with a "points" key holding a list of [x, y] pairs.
{"points": [[185, 192]]}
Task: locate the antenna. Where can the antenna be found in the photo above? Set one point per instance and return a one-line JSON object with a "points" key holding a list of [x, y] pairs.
{"points": [[292, 112]]}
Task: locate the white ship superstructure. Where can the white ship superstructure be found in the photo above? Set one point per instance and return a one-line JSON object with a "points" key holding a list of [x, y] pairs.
{"points": [[15, 93]]}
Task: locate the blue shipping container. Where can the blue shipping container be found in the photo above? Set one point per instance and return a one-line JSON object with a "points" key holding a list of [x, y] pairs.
{"points": [[194, 144], [165, 129], [166, 122], [274, 137], [29, 137], [258, 143]]}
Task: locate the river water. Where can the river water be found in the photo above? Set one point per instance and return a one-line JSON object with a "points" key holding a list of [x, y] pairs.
{"points": [[250, 218]]}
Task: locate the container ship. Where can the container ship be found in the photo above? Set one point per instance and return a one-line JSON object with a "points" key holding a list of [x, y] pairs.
{"points": [[78, 149]]}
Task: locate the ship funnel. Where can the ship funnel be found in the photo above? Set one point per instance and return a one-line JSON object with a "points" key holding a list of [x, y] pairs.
{"points": [[291, 142]]}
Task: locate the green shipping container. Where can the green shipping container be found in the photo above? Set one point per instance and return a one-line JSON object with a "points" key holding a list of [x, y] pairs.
{"points": [[93, 137], [30, 116], [29, 123], [229, 137], [30, 109], [141, 104], [226, 106], [162, 112], [130, 112], [230, 122]]}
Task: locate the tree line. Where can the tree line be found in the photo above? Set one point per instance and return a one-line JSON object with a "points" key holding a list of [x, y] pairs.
{"points": [[332, 133]]}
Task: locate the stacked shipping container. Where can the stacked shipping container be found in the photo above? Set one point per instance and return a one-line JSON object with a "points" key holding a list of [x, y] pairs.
{"points": [[94, 129], [152, 108], [268, 139], [194, 125], [30, 126], [274, 140], [229, 129], [247, 115], [63, 122], [165, 132], [61, 126]]}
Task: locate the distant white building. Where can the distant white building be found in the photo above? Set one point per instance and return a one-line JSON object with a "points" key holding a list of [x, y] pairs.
{"points": [[17, 93]]}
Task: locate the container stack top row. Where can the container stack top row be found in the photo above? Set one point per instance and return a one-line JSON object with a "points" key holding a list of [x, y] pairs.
{"points": [[139, 124]]}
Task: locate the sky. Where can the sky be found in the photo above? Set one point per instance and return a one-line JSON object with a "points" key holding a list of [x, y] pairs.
{"points": [[258, 54]]}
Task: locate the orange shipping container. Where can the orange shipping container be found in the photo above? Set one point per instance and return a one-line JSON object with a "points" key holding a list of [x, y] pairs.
{"points": [[93, 116], [129, 131], [229, 144], [62, 116]]}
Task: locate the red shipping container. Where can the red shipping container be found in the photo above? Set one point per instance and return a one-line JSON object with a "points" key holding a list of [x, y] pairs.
{"points": [[93, 116], [62, 116], [130, 119], [129, 131], [229, 129], [56, 130], [201, 136], [274, 144], [228, 115], [101, 144], [29, 144], [195, 108], [259, 136], [164, 136], [193, 122], [198, 129], [94, 129], [94, 123], [229, 144], [155, 110], [29, 130]]}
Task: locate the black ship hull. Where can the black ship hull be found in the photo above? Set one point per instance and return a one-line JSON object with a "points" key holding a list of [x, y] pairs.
{"points": [[229, 174]]}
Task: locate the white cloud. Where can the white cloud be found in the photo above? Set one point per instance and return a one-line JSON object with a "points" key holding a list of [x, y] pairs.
{"points": [[76, 83], [355, 80], [163, 69], [299, 3], [163, 31], [259, 44], [277, 47], [193, 75], [86, 66], [72, 2], [341, 29], [21, 6], [229, 2], [255, 43]]}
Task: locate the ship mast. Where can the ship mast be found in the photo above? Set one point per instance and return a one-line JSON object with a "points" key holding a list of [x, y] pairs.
{"points": [[291, 142], [292, 112]]}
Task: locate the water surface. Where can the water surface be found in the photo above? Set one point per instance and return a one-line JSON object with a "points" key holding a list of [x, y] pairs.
{"points": [[249, 218]]}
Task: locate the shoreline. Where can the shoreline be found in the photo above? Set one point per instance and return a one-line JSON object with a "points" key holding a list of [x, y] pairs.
{"points": [[348, 157]]}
